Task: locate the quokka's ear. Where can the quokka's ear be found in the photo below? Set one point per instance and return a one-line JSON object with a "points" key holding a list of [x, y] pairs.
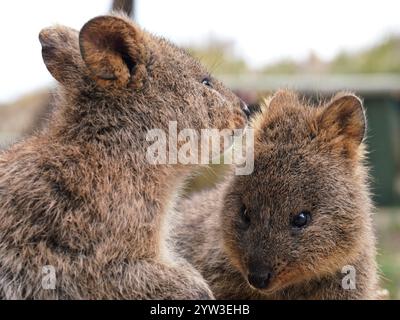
{"points": [[60, 51], [114, 51], [344, 117]]}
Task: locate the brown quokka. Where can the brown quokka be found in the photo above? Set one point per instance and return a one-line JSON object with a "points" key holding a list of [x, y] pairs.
{"points": [[303, 217], [80, 196]]}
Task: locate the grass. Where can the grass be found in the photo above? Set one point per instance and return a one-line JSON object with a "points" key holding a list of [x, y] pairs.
{"points": [[388, 232]]}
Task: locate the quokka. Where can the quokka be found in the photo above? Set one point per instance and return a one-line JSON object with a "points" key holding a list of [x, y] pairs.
{"points": [[80, 196], [303, 217]]}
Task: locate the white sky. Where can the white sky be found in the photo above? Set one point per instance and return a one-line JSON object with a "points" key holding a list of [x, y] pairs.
{"points": [[263, 31]]}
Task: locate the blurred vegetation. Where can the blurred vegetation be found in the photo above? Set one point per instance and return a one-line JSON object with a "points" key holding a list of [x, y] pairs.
{"points": [[23, 117], [382, 58], [388, 232], [219, 57]]}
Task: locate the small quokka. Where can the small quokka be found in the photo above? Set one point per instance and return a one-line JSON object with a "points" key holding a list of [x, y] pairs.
{"points": [[300, 226], [79, 199]]}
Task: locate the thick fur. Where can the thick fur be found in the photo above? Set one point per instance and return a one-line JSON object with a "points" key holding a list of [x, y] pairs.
{"points": [[306, 158], [81, 196]]}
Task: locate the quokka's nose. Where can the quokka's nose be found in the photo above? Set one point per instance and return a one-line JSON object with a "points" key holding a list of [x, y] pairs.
{"points": [[260, 281], [245, 109]]}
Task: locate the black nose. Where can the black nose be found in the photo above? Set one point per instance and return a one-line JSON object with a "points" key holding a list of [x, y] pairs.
{"points": [[245, 109], [260, 281]]}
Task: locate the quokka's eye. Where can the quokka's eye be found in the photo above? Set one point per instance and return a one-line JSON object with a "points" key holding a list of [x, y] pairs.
{"points": [[301, 220], [207, 82], [244, 214]]}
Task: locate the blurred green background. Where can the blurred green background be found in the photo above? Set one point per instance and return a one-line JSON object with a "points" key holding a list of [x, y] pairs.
{"points": [[372, 72]]}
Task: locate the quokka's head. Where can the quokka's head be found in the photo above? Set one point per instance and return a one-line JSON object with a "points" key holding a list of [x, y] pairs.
{"points": [[305, 209], [116, 67]]}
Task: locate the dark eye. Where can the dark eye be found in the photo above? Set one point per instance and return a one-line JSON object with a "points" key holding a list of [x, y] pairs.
{"points": [[301, 220], [244, 214], [207, 82]]}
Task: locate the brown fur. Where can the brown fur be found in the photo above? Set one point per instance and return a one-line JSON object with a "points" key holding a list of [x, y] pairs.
{"points": [[81, 196], [306, 158]]}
